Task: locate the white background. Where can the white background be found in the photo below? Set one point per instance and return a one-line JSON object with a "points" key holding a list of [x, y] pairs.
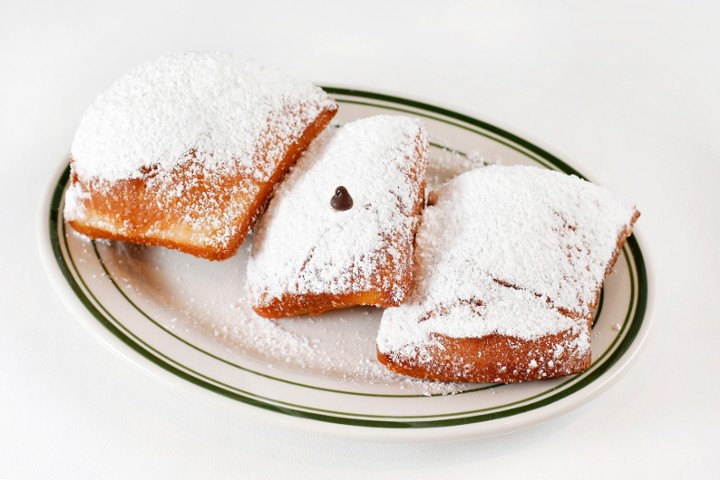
{"points": [[626, 92]]}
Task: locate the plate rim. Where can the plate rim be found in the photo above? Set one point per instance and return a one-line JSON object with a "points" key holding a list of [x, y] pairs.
{"points": [[362, 429]]}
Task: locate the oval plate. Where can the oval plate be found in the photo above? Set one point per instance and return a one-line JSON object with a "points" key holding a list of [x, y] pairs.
{"points": [[187, 320]]}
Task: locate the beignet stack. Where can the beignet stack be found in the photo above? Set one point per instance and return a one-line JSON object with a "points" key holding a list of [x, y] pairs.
{"points": [[339, 230], [183, 151], [509, 264]]}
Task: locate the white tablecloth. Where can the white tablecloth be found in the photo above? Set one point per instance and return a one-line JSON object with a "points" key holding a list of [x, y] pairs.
{"points": [[627, 92]]}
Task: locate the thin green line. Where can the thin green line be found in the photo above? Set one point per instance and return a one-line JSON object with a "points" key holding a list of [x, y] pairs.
{"points": [[461, 117], [448, 149], [458, 125]]}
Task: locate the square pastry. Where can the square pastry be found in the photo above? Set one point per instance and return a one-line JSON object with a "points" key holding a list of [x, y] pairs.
{"points": [[339, 229], [183, 151], [509, 264]]}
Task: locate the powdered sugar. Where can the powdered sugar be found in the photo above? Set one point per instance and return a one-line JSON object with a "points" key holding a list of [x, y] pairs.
{"points": [[502, 251], [214, 107], [303, 245]]}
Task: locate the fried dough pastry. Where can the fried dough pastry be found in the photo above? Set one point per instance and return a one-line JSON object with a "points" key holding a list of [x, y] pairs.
{"points": [[339, 230], [509, 264], [183, 151]]}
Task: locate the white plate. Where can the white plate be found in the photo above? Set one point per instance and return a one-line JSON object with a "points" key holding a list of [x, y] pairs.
{"points": [[187, 321]]}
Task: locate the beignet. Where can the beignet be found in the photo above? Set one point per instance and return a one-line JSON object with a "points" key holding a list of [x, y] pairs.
{"points": [[509, 264], [339, 230], [184, 150]]}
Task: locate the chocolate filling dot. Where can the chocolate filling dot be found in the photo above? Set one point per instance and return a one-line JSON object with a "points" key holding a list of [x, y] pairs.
{"points": [[341, 200]]}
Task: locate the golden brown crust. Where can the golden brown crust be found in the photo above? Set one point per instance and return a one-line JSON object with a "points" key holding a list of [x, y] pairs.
{"points": [[314, 304], [493, 358], [143, 211], [289, 305]]}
